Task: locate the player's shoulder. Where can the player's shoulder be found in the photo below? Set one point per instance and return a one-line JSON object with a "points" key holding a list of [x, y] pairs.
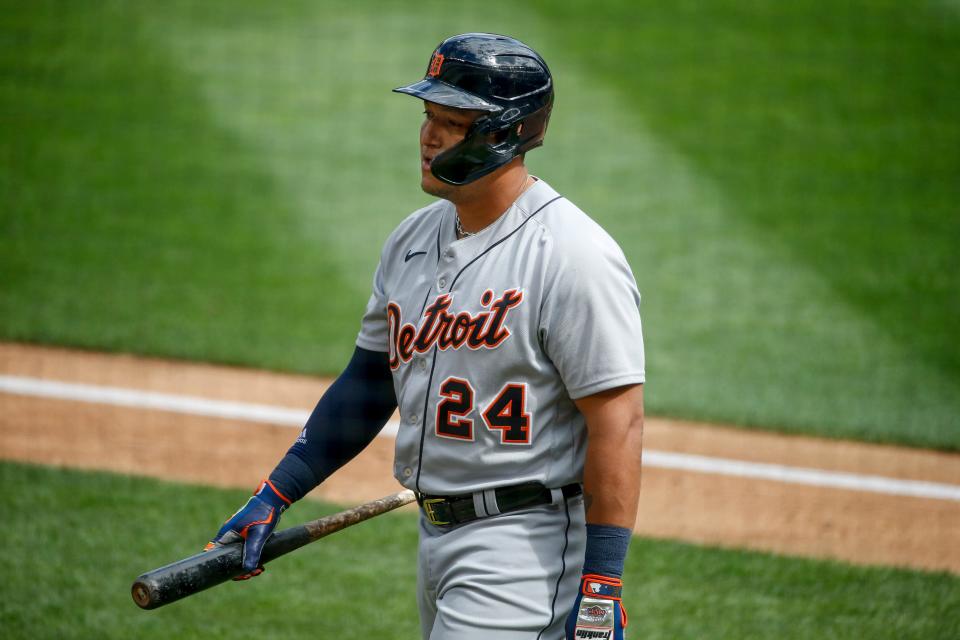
{"points": [[570, 230], [418, 228], [578, 252]]}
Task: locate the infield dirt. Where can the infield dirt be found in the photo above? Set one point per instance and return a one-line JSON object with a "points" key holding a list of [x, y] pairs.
{"points": [[856, 526]]}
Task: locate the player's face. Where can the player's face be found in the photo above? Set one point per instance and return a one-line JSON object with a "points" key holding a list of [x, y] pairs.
{"points": [[442, 128]]}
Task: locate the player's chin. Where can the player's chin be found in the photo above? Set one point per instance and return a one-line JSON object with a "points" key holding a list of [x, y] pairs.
{"points": [[430, 184]]}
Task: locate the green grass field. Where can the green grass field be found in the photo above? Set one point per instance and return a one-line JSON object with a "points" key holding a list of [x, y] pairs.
{"points": [[100, 531], [214, 181]]}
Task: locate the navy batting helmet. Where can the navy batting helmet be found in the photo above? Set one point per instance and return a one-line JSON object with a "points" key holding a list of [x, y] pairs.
{"points": [[492, 73]]}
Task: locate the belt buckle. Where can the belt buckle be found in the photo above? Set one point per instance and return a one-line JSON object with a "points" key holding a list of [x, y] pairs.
{"points": [[430, 511]]}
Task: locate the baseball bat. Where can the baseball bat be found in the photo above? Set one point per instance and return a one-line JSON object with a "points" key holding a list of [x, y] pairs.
{"points": [[210, 568]]}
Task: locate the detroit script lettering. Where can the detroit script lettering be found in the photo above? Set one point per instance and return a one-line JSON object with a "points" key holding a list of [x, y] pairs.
{"points": [[487, 329]]}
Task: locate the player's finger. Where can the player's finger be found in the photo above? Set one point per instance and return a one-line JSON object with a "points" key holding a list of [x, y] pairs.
{"points": [[256, 537], [252, 574], [226, 537]]}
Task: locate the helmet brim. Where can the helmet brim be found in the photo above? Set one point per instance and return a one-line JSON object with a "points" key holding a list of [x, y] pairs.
{"points": [[439, 92]]}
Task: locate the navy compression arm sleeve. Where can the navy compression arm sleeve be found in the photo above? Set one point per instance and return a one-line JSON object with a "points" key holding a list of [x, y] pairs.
{"points": [[347, 418], [606, 550]]}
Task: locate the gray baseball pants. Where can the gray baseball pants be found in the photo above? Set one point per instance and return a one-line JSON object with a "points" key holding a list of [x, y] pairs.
{"points": [[512, 576]]}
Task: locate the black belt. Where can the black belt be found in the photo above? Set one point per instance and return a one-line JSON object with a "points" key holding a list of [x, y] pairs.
{"points": [[446, 511]]}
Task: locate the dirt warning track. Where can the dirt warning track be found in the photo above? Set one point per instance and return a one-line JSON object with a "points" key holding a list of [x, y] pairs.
{"points": [[707, 484]]}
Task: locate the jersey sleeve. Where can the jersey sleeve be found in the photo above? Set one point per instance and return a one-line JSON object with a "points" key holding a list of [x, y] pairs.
{"points": [[590, 319], [374, 332]]}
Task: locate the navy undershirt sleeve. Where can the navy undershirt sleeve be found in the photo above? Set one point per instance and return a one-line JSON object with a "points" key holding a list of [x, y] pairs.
{"points": [[345, 420]]}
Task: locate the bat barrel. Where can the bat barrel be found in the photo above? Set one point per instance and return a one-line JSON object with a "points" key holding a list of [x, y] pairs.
{"points": [[184, 577], [207, 569]]}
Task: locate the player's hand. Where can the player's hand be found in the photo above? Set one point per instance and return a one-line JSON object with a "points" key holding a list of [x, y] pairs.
{"points": [[253, 524], [597, 612]]}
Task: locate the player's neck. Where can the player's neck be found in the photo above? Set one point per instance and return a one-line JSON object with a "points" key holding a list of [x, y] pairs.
{"points": [[478, 207]]}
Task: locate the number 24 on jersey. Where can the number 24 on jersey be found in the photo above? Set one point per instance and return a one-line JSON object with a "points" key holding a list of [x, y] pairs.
{"points": [[506, 413]]}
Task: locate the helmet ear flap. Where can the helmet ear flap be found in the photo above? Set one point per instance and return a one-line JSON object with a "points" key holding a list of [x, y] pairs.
{"points": [[475, 156], [487, 147], [507, 135], [532, 129]]}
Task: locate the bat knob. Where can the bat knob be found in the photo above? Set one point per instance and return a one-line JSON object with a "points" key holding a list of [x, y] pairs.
{"points": [[141, 595]]}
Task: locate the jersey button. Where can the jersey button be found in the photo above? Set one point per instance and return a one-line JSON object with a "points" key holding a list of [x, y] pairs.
{"points": [[422, 364], [413, 419], [407, 472], [442, 283]]}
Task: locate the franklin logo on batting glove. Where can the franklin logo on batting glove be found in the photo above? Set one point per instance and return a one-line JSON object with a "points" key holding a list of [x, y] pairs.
{"points": [[598, 611]]}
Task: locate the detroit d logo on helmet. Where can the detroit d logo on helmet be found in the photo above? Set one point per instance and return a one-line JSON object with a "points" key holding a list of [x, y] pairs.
{"points": [[435, 63]]}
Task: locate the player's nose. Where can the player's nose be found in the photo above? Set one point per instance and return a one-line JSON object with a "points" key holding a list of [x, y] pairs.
{"points": [[428, 135]]}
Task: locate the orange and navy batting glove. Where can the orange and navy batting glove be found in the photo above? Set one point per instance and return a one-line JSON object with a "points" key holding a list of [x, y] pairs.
{"points": [[598, 612], [253, 524]]}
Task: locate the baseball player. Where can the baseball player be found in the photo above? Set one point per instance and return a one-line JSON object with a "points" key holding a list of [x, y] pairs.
{"points": [[504, 325]]}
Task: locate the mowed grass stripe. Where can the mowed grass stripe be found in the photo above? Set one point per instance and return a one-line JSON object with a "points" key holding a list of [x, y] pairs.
{"points": [[214, 182], [100, 531], [136, 222], [830, 141]]}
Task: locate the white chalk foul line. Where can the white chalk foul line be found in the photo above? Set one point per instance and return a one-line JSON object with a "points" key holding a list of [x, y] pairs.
{"points": [[151, 400], [269, 414], [802, 475]]}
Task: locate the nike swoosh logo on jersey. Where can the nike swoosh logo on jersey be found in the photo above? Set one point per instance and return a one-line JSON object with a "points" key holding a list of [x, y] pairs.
{"points": [[411, 254]]}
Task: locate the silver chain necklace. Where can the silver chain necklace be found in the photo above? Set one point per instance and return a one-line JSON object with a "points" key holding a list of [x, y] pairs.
{"points": [[466, 234], [461, 233]]}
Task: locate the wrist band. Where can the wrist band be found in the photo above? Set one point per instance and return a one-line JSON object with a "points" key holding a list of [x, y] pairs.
{"points": [[606, 550]]}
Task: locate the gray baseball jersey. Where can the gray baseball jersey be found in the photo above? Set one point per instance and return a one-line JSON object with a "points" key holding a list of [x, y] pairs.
{"points": [[493, 336]]}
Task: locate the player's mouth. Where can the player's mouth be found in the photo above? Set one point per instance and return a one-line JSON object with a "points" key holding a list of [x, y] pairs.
{"points": [[425, 163]]}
